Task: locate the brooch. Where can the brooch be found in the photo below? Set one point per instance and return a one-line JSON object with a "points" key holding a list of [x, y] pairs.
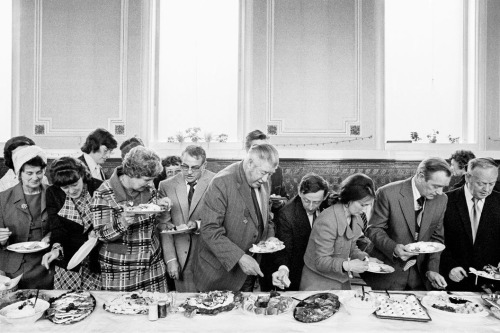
{"points": [[24, 206]]}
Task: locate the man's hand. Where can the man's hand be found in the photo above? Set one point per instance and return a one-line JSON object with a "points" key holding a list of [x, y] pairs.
{"points": [[165, 203], [192, 224], [436, 279], [4, 235], [173, 269], [457, 274], [249, 265], [400, 252], [280, 278], [50, 257]]}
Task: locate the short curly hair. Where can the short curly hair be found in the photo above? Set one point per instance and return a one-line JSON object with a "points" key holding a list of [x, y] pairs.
{"points": [[356, 187], [312, 183], [68, 170], [462, 157], [171, 161], [141, 162], [98, 138]]}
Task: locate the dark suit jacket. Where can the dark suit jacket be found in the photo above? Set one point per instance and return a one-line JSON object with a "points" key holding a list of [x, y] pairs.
{"points": [[277, 185], [459, 183], [293, 229], [229, 227], [18, 220], [393, 222], [68, 233], [460, 251], [82, 158]]}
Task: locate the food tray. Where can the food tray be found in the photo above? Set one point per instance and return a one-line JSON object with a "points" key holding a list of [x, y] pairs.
{"points": [[400, 297], [73, 295], [317, 307]]}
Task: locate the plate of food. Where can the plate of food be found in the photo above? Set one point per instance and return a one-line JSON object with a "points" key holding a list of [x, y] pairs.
{"points": [[439, 302], [133, 303], [24, 312], [267, 304], [269, 246], [179, 229], [400, 306], [71, 307], [274, 197], [489, 272], [359, 304], [212, 303], [28, 247], [375, 267], [424, 247], [316, 308], [149, 208]]}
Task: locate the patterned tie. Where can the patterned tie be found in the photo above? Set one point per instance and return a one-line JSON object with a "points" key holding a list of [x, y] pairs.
{"points": [[475, 218], [191, 192], [365, 222], [418, 221], [257, 211]]}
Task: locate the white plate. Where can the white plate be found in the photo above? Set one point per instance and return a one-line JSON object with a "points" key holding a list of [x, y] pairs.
{"points": [[82, 252], [427, 302], [482, 274], [26, 247], [276, 249], [376, 268], [174, 232], [424, 247]]}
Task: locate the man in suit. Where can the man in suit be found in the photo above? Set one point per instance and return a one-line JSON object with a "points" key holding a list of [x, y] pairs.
{"points": [[458, 162], [472, 226], [293, 227], [234, 216], [96, 150], [186, 190], [405, 212]]}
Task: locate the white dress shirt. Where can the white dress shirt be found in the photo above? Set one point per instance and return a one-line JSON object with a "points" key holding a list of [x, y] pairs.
{"points": [[95, 169]]}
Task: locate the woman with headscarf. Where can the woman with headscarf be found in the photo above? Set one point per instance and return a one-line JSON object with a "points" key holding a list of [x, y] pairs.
{"points": [[131, 255], [331, 253], [23, 218], [70, 221]]}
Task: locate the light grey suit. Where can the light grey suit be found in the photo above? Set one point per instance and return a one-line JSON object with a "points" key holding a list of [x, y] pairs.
{"points": [[181, 246], [229, 227], [392, 223]]}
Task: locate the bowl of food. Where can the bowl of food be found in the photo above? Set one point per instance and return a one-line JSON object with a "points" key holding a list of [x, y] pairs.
{"points": [[24, 312], [362, 305]]}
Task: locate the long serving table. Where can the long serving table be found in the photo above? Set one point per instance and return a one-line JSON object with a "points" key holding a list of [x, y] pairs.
{"points": [[240, 321]]}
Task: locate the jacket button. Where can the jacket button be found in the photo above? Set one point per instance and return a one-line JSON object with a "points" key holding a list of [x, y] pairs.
{"points": [[185, 252], [254, 236]]}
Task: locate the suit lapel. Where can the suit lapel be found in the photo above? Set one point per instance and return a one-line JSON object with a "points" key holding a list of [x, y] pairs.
{"points": [[407, 205], [201, 186], [246, 195], [429, 209], [302, 218], [181, 193]]}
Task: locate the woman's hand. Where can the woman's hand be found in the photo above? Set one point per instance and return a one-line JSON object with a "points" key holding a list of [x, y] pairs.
{"points": [[165, 202], [4, 235], [50, 257], [173, 269], [355, 266]]}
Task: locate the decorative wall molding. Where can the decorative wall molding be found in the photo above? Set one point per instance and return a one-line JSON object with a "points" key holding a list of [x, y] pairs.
{"points": [[46, 123], [280, 123]]}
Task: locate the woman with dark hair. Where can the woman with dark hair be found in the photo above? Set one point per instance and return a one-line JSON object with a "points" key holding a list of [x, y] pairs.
{"points": [[23, 218], [131, 255], [96, 150], [331, 253], [171, 167], [70, 221]]}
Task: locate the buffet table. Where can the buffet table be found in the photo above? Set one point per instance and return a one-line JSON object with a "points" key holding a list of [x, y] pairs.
{"points": [[240, 321]]}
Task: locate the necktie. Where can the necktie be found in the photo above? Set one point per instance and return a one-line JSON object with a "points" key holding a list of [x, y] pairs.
{"points": [[314, 218], [191, 192], [475, 218], [418, 220], [365, 222], [257, 211]]}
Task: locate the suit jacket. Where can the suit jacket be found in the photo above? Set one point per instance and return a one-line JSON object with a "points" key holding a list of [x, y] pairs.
{"points": [[229, 227], [293, 229], [180, 246], [460, 251], [393, 222], [69, 233], [82, 158], [331, 243], [18, 220]]}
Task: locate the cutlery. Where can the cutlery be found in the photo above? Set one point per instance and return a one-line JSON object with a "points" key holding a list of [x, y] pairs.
{"points": [[36, 298]]}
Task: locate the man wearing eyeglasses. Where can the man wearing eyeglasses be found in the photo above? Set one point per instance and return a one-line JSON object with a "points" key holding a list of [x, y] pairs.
{"points": [[234, 216], [96, 150], [185, 189]]}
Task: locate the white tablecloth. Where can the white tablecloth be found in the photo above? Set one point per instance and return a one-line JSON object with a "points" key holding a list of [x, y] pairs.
{"points": [[240, 321]]}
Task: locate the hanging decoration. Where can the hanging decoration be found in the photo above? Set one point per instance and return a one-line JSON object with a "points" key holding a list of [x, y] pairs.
{"points": [[322, 143]]}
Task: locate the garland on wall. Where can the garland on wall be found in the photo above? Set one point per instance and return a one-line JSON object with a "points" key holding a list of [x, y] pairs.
{"points": [[322, 143]]}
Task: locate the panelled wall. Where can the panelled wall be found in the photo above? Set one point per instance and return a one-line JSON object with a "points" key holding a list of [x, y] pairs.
{"points": [[312, 72]]}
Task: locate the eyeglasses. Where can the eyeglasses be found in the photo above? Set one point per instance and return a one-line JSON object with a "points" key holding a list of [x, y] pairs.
{"points": [[173, 172], [193, 169], [309, 202]]}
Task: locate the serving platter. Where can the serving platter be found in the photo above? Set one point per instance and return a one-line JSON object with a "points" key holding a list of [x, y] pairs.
{"points": [[459, 308], [133, 303], [317, 307], [71, 307], [267, 304], [400, 306], [212, 303]]}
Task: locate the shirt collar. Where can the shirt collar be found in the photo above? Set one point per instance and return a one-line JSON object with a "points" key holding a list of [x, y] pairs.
{"points": [[90, 162], [468, 195], [416, 194]]}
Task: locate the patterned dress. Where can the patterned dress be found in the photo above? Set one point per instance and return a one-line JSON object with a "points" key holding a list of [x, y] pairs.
{"points": [[131, 257]]}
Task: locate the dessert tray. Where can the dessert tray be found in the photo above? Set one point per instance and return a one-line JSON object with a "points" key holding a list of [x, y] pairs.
{"points": [[424, 247], [133, 303], [212, 303], [71, 307], [269, 246], [400, 306], [267, 304], [316, 308], [439, 302], [28, 247]]}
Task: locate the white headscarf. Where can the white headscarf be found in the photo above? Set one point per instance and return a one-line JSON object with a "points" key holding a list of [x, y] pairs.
{"points": [[25, 154]]}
